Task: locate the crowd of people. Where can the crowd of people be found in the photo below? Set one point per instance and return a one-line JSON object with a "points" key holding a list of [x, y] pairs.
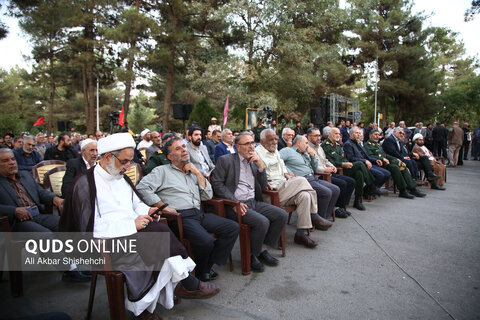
{"points": [[317, 170]]}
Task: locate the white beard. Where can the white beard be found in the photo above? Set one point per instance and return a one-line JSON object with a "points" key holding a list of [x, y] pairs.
{"points": [[114, 171]]}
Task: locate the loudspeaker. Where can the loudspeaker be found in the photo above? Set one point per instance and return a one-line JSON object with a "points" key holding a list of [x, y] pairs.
{"points": [[182, 111], [61, 126], [316, 115]]}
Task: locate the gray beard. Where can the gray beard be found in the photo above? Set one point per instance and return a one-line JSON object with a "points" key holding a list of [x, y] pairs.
{"points": [[114, 171]]}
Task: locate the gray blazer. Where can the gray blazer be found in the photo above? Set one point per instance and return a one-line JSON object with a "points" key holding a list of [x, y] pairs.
{"points": [[197, 161], [226, 174], [8, 199]]}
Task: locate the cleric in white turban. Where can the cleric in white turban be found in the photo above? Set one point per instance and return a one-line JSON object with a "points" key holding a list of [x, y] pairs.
{"points": [[146, 142]]}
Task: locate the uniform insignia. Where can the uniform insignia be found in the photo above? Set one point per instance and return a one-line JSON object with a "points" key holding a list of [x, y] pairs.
{"points": [[159, 151]]}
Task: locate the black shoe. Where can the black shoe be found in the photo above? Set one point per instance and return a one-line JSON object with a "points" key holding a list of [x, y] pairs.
{"points": [[417, 193], [405, 194], [205, 277], [358, 204], [266, 258], [433, 177], [374, 190], [75, 276], [340, 213], [437, 187], [348, 212], [213, 274], [256, 265]]}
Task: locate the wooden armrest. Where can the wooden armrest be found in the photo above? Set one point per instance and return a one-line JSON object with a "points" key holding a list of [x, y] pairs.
{"points": [[340, 171], [218, 206], [5, 224], [233, 203], [175, 216], [325, 176], [274, 196]]}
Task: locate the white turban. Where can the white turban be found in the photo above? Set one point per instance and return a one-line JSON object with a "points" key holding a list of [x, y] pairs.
{"points": [[85, 142], [416, 136], [117, 141], [144, 132]]}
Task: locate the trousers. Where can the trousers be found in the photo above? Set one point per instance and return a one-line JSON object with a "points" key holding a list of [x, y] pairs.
{"points": [[346, 185], [361, 174], [380, 175], [327, 195]]}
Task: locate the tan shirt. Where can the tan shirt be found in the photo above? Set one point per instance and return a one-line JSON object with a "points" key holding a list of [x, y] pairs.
{"points": [[274, 166], [323, 162]]}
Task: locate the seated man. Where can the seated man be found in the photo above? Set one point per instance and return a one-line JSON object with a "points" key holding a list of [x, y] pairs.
{"points": [[394, 146], [225, 146], [437, 167], [212, 143], [79, 165], [22, 202], [401, 176], [198, 152], [27, 157], [158, 158], [300, 159], [62, 150], [156, 144], [292, 190], [356, 170], [104, 202], [286, 140], [180, 187], [355, 152], [241, 176], [346, 184]]}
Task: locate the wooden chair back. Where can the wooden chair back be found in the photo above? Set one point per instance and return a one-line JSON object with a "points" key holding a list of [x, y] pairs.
{"points": [[39, 170], [135, 173]]}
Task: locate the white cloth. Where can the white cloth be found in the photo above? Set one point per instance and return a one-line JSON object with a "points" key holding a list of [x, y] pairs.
{"points": [[144, 132], [116, 208], [274, 166], [144, 144], [416, 136], [174, 270], [85, 142], [115, 142], [427, 153]]}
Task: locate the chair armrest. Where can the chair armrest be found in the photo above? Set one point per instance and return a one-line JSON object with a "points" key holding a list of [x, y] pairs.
{"points": [[274, 196], [233, 203], [178, 217], [326, 176], [5, 224], [340, 171], [217, 205]]}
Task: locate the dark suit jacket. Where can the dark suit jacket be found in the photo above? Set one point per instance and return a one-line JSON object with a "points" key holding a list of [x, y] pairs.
{"points": [[281, 144], [226, 174], [390, 147], [8, 198], [74, 168], [211, 148], [221, 149], [353, 152], [345, 134]]}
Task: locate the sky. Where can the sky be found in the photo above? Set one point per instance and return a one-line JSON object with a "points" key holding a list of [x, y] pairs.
{"points": [[444, 13]]}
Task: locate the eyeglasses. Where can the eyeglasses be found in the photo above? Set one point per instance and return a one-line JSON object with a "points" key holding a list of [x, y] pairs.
{"points": [[402, 133], [251, 143], [125, 163]]}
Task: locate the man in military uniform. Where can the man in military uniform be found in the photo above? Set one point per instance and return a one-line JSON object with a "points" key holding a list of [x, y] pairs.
{"points": [[401, 176], [356, 170], [259, 128], [159, 158]]}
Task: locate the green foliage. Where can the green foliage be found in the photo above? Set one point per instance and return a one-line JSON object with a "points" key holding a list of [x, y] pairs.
{"points": [[141, 115], [202, 113], [11, 122]]}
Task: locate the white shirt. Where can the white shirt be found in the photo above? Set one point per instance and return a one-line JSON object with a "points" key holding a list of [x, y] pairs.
{"points": [[144, 144], [86, 163], [116, 207], [274, 166], [427, 153]]}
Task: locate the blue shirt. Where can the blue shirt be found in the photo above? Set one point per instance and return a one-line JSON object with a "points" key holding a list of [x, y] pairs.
{"points": [[26, 163]]}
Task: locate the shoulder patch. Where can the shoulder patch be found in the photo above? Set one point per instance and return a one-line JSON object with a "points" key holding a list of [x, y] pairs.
{"points": [[159, 151]]}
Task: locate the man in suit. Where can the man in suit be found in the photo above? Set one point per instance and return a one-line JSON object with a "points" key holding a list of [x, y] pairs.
{"points": [[345, 131], [212, 143], [440, 134], [286, 140], [225, 146], [23, 201], [79, 165], [355, 152], [242, 177], [198, 152], [394, 146]]}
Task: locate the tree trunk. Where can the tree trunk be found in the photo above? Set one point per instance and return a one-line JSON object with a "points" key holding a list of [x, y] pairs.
{"points": [[91, 96], [85, 96], [128, 83], [170, 77]]}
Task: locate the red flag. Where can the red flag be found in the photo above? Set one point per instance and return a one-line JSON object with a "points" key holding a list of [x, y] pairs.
{"points": [[40, 121], [225, 113], [121, 117]]}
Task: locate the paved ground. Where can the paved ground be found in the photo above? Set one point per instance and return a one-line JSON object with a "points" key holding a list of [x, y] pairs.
{"points": [[400, 259]]}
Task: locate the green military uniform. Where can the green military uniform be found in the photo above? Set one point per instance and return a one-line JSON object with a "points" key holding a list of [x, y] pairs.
{"points": [[400, 174], [334, 154], [256, 132], [157, 159]]}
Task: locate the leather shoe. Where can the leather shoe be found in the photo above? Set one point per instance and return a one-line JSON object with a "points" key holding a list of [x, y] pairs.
{"points": [[256, 265], [433, 176], [75, 276], [419, 182], [205, 290], [417, 193], [305, 240], [205, 277], [340, 213], [266, 258], [348, 212], [437, 187], [213, 274], [321, 224], [358, 204], [405, 194]]}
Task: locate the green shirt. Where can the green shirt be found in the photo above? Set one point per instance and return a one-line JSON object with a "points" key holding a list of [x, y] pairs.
{"points": [[300, 164], [334, 153], [375, 150], [157, 159]]}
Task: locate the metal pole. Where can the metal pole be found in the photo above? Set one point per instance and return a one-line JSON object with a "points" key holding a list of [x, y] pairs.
{"points": [[98, 112], [376, 89]]}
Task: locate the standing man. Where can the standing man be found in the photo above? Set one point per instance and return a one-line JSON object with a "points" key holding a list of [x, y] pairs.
{"points": [[298, 129], [467, 138], [429, 136], [198, 152], [300, 159], [258, 128], [156, 144], [292, 190], [287, 139], [241, 176], [62, 151], [345, 131], [180, 187], [226, 146], [214, 126], [476, 143], [41, 146], [455, 141], [345, 183], [79, 165], [440, 134], [401, 176], [27, 157], [98, 135], [356, 170]]}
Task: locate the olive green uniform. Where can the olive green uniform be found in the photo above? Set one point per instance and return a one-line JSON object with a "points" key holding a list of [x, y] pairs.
{"points": [[400, 174], [157, 159], [359, 172], [256, 132]]}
